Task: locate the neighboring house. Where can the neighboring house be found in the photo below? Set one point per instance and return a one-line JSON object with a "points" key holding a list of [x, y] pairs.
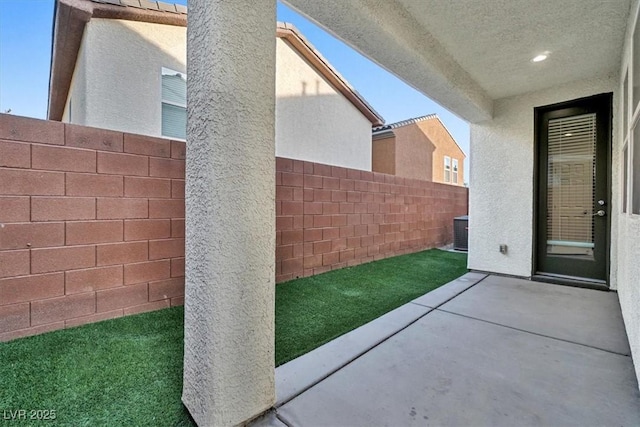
{"points": [[123, 67], [418, 148]]}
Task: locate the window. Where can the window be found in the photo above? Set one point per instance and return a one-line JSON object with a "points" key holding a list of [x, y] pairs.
{"points": [[455, 171], [625, 176], [635, 168], [626, 138], [447, 169], [174, 104]]}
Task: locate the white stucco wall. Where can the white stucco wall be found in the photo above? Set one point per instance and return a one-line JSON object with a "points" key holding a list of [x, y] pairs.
{"points": [[313, 120], [120, 66], [117, 85], [502, 154], [628, 231]]}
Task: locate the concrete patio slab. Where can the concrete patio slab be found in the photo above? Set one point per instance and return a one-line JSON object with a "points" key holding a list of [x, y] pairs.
{"points": [[583, 316], [446, 292], [298, 375], [294, 377], [447, 369]]}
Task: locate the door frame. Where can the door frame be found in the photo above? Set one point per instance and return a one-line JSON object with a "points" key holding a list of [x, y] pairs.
{"points": [[606, 99]]}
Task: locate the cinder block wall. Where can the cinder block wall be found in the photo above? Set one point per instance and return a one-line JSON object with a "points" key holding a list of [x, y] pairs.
{"points": [[91, 225], [329, 217], [92, 222]]}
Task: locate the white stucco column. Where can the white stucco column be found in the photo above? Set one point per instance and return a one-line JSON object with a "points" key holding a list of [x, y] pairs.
{"points": [[230, 218]]}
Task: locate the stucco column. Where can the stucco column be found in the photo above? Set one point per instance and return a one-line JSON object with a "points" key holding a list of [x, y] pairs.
{"points": [[230, 217]]}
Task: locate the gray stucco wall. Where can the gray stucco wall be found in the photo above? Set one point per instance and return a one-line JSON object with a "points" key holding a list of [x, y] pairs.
{"points": [[501, 200]]}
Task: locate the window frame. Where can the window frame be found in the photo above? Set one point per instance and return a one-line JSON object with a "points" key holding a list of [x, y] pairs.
{"points": [[447, 168]]}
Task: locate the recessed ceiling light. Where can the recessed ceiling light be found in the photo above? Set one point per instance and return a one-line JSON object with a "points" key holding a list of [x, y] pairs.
{"points": [[540, 57]]}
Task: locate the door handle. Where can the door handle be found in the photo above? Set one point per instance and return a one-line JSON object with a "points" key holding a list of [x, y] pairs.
{"points": [[600, 213]]}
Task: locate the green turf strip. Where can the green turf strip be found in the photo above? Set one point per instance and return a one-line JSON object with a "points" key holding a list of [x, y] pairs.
{"points": [[128, 371], [314, 310]]}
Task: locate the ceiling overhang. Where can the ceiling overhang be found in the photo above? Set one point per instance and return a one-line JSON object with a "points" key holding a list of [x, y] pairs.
{"points": [[464, 55], [391, 37]]}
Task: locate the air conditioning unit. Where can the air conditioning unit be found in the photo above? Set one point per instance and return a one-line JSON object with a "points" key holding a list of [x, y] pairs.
{"points": [[461, 233]]}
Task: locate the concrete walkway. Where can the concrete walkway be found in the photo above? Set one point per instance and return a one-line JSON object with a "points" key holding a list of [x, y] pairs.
{"points": [[479, 351]]}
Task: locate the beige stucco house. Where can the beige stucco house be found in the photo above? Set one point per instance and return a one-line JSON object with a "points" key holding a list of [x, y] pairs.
{"points": [[419, 148], [124, 68]]}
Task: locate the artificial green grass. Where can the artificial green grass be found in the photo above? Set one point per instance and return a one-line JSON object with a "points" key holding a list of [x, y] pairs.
{"points": [[128, 371], [314, 310], [121, 372]]}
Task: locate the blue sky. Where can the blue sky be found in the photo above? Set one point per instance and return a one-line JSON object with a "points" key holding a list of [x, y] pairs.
{"points": [[25, 55]]}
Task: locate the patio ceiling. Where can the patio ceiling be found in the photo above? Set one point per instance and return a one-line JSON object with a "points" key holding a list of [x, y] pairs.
{"points": [[465, 54]]}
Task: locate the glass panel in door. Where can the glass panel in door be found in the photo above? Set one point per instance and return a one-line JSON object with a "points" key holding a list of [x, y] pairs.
{"points": [[571, 177]]}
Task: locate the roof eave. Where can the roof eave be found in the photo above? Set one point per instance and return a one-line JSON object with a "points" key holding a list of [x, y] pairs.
{"points": [[69, 20]]}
